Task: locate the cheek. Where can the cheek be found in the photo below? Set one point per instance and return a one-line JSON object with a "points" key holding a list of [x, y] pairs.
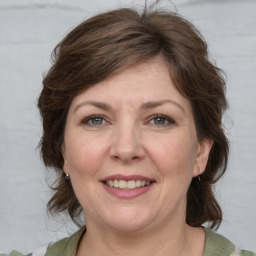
{"points": [[84, 160], [174, 155], [84, 154]]}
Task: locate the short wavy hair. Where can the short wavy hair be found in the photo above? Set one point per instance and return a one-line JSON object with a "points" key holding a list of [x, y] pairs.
{"points": [[109, 43]]}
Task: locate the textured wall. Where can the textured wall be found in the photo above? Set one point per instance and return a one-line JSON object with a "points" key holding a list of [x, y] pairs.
{"points": [[30, 29]]}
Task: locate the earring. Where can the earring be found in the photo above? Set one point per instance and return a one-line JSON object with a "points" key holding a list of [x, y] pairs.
{"points": [[199, 175], [67, 176]]}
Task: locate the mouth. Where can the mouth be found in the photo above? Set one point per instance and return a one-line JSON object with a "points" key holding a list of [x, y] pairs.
{"points": [[127, 184], [127, 187]]}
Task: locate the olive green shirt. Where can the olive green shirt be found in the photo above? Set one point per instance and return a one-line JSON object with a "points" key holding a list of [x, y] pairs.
{"points": [[215, 245]]}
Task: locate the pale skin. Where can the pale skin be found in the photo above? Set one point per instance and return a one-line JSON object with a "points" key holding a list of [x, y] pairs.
{"points": [[135, 123]]}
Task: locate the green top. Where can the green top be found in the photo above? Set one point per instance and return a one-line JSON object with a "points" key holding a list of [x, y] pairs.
{"points": [[215, 244]]}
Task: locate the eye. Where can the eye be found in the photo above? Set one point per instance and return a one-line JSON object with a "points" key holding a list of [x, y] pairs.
{"points": [[94, 120], [161, 120]]}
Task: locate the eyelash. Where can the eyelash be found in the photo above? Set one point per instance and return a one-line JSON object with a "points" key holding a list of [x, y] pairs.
{"points": [[169, 120], [88, 120]]}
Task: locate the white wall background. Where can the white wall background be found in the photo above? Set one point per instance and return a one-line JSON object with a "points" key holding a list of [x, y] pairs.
{"points": [[29, 30]]}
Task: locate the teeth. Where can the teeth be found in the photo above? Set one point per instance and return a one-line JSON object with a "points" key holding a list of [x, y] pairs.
{"points": [[131, 184], [116, 183], [138, 183], [111, 183], [122, 184]]}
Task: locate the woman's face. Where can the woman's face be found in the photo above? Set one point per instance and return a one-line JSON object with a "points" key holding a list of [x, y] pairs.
{"points": [[131, 149]]}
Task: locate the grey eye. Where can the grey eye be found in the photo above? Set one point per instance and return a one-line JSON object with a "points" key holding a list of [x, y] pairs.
{"points": [[96, 121], [160, 121]]}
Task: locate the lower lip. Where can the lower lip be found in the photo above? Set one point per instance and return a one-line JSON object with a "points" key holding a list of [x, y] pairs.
{"points": [[127, 194]]}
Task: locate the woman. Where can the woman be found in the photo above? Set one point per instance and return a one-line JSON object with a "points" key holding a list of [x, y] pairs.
{"points": [[132, 123]]}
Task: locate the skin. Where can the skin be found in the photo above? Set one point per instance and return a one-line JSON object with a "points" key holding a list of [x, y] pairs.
{"points": [[128, 138]]}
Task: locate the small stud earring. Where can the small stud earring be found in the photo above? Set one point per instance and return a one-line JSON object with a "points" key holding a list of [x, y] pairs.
{"points": [[199, 175], [67, 176]]}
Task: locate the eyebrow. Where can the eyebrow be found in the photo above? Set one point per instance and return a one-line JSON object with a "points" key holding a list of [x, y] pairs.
{"points": [[146, 105], [154, 104], [97, 104]]}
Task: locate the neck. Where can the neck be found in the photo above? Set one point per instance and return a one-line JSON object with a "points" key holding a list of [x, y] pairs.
{"points": [[167, 240]]}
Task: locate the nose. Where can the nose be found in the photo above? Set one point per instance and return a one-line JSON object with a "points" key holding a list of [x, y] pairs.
{"points": [[126, 143]]}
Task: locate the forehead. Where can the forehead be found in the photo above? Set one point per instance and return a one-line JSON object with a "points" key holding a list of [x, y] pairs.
{"points": [[139, 83]]}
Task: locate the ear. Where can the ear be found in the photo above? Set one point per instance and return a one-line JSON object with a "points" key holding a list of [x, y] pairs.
{"points": [[203, 152], [63, 152]]}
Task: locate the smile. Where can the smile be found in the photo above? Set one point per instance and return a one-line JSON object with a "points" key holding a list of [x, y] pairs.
{"points": [[127, 187], [130, 184]]}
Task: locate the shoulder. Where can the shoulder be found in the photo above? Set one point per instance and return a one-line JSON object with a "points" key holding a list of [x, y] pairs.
{"points": [[15, 253], [216, 244], [38, 252], [64, 247]]}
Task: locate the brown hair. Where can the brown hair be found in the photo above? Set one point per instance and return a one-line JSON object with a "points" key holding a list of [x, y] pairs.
{"points": [[110, 42]]}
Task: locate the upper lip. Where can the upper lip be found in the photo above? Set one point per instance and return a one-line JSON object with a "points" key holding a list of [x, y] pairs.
{"points": [[126, 177]]}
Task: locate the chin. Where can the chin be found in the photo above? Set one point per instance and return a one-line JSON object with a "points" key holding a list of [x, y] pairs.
{"points": [[129, 227], [129, 220]]}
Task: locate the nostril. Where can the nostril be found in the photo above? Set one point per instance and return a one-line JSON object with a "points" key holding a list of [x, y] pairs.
{"points": [[126, 146]]}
